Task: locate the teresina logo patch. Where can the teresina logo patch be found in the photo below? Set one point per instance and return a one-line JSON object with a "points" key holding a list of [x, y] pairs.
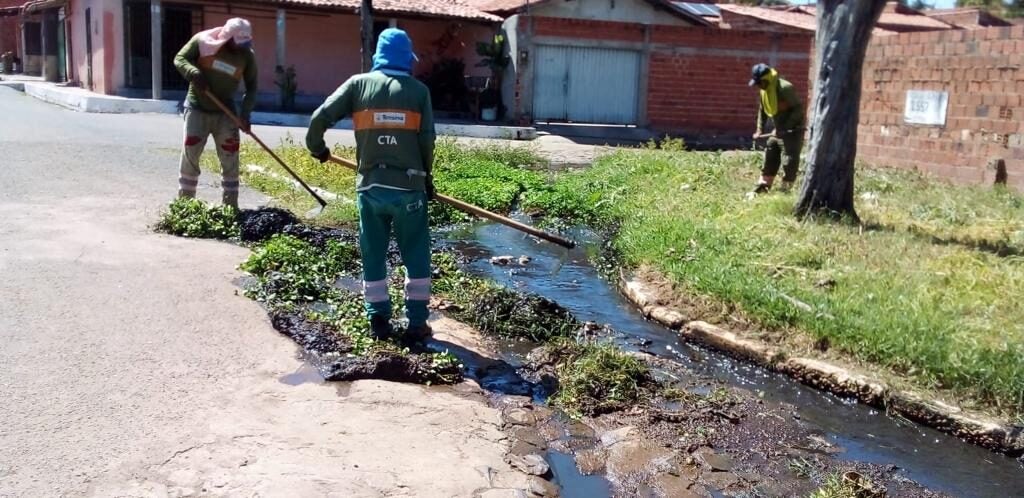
{"points": [[389, 118], [224, 67]]}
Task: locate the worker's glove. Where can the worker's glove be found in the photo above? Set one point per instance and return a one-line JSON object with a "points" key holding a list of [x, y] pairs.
{"points": [[430, 187], [322, 156], [245, 125]]}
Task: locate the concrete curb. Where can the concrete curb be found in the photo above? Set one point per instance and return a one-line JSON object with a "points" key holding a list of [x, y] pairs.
{"points": [[85, 101], [497, 132], [81, 100], [975, 428]]}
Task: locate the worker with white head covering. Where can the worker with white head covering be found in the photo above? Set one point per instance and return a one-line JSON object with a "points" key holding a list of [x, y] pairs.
{"points": [[216, 60]]}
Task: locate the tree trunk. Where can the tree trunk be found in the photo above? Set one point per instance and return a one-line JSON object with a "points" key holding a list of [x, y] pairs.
{"points": [[844, 29], [366, 18]]}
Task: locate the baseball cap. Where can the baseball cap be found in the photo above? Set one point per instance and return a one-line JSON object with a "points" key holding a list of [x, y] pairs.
{"points": [[757, 72]]}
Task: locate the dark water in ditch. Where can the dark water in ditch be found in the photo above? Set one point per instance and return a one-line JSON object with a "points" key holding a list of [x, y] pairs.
{"points": [[936, 460]]}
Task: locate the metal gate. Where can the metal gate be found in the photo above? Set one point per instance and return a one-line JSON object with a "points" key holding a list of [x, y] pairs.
{"points": [[586, 85]]}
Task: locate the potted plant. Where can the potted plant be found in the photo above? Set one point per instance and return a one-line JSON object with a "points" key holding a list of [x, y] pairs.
{"points": [[493, 56], [286, 82]]}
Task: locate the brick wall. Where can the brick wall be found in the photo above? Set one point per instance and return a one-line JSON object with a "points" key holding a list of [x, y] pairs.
{"points": [[9, 34], [9, 28], [587, 29], [697, 77], [983, 71]]}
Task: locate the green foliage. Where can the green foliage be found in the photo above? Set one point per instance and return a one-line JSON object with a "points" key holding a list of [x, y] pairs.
{"points": [[446, 367], [490, 177], [834, 487], [492, 54], [498, 311], [194, 218], [921, 290], [291, 271], [598, 378]]}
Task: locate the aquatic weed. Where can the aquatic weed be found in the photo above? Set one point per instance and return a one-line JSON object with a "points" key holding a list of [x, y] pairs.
{"points": [[195, 218]]}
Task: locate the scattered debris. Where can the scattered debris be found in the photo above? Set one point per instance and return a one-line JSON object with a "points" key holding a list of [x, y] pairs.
{"points": [[501, 260]]}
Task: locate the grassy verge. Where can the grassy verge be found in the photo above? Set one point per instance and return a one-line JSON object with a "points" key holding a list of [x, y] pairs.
{"points": [[918, 291], [491, 177]]}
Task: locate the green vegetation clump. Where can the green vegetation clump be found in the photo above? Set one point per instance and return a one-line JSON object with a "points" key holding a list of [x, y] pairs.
{"points": [[835, 487], [498, 311], [598, 378], [196, 219], [292, 271]]}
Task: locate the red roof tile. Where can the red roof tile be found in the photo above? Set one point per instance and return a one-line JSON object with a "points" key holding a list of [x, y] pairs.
{"points": [[454, 9], [793, 19]]}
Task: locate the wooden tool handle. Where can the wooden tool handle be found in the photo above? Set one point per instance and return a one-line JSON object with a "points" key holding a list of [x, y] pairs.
{"points": [[482, 213]]}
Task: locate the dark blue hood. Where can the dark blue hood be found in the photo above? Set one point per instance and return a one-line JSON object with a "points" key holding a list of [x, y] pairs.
{"points": [[394, 51]]}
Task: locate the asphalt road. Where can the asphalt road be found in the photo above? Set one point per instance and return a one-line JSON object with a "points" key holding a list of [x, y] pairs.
{"points": [[130, 366]]}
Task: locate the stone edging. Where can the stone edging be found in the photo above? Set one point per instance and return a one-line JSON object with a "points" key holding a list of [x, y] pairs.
{"points": [[977, 429]]}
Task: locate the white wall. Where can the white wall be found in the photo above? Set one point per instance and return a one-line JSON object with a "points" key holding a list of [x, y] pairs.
{"points": [[638, 11]]}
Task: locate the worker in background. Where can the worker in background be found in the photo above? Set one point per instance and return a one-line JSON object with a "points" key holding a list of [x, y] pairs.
{"points": [[778, 102], [394, 127], [216, 60]]}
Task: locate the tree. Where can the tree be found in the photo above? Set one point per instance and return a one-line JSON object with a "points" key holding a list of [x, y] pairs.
{"points": [[844, 29], [917, 4], [366, 33], [1003, 8]]}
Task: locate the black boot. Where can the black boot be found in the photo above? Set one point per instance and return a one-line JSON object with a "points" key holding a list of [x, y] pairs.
{"points": [[380, 327], [419, 333]]}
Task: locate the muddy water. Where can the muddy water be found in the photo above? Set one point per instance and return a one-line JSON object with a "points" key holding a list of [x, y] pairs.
{"points": [[938, 461]]}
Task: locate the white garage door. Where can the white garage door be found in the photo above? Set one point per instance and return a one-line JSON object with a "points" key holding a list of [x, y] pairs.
{"points": [[586, 85]]}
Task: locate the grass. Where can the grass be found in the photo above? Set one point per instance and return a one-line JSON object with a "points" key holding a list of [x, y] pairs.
{"points": [[834, 487], [598, 378], [492, 177], [940, 313], [197, 219]]}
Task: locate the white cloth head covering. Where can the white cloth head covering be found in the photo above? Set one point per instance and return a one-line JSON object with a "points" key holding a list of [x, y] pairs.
{"points": [[211, 40]]}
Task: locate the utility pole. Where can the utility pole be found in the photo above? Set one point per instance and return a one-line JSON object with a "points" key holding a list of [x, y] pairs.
{"points": [[366, 18]]}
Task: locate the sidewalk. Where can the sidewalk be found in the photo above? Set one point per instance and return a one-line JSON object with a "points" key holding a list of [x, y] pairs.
{"points": [[83, 100]]}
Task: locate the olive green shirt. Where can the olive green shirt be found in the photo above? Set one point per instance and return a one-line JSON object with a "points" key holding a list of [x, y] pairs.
{"points": [[790, 117], [394, 124], [223, 71]]}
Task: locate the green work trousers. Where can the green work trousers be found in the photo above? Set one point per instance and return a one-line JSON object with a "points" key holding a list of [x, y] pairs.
{"points": [[199, 125], [381, 211], [784, 151]]}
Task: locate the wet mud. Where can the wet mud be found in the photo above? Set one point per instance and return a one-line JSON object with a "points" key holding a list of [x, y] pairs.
{"points": [[331, 353]]}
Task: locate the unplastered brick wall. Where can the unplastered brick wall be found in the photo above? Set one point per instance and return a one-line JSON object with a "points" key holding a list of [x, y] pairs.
{"points": [[698, 77], [983, 73]]}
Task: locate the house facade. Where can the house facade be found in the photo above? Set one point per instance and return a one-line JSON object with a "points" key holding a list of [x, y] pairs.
{"points": [[638, 63], [126, 47]]}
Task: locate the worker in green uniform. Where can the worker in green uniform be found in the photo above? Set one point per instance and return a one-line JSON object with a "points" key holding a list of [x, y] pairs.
{"points": [[780, 103], [217, 60], [394, 126]]}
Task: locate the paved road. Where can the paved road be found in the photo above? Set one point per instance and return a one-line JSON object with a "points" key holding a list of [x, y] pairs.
{"points": [[129, 366]]}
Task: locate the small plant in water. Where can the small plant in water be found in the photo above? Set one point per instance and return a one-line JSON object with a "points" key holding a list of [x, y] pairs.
{"points": [[196, 219]]}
